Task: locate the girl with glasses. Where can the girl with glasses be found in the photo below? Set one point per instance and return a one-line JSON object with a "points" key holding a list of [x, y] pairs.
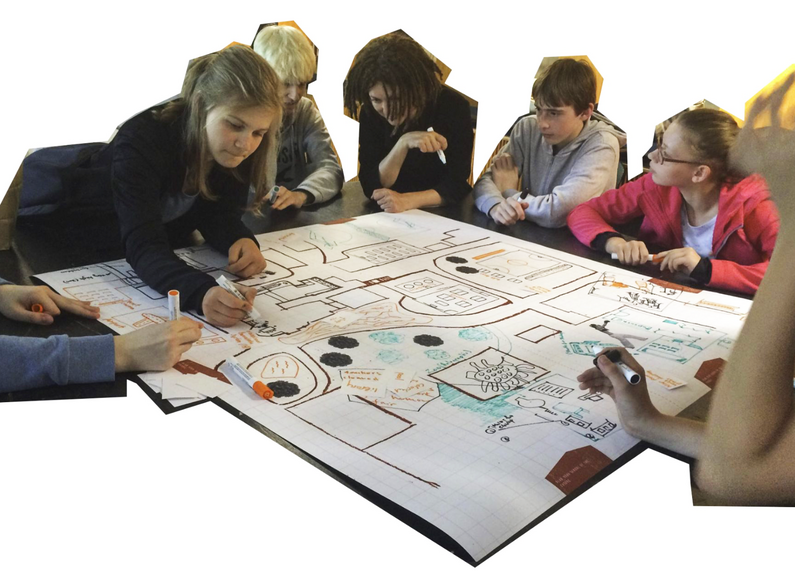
{"points": [[708, 222]]}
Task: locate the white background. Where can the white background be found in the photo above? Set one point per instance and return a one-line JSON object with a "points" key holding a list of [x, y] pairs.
{"points": [[112, 485]]}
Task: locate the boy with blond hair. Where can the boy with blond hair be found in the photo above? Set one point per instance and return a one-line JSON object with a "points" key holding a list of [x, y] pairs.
{"points": [[308, 170]]}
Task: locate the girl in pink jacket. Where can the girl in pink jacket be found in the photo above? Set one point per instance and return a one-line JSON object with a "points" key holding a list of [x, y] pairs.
{"points": [[713, 225]]}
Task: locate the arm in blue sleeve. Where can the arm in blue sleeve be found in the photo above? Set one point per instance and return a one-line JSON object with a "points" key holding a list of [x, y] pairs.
{"points": [[29, 362]]}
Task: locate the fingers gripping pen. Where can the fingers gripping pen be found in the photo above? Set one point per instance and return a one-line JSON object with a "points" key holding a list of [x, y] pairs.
{"points": [[614, 356], [254, 315]]}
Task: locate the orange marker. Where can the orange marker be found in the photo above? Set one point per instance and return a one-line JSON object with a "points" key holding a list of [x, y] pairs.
{"points": [[173, 305], [651, 258], [243, 375], [37, 308]]}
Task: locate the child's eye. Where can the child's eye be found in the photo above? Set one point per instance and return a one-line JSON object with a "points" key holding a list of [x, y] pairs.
{"points": [[234, 126]]}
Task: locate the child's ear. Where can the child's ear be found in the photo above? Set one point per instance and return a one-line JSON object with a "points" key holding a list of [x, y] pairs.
{"points": [[586, 114], [701, 174]]}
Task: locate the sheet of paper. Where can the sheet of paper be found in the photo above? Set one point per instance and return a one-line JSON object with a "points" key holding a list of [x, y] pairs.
{"points": [[436, 362]]}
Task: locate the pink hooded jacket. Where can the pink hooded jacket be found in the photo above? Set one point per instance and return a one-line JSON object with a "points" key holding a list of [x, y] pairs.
{"points": [[742, 243]]}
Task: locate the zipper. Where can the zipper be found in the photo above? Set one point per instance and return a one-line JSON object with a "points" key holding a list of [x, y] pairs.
{"points": [[725, 239]]}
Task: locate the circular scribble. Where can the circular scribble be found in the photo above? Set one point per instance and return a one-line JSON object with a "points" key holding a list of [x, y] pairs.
{"points": [[386, 338], [283, 389], [335, 359], [505, 439], [474, 334], [391, 356], [428, 340], [437, 354], [453, 259], [342, 342], [465, 269]]}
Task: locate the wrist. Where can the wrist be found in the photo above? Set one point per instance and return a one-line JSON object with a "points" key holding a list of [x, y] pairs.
{"points": [[308, 197], [612, 244], [641, 425], [121, 355]]}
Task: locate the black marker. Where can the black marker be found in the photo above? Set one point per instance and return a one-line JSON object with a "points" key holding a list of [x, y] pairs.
{"points": [[614, 356]]}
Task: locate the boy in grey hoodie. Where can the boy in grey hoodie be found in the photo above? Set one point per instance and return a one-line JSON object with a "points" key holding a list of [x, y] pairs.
{"points": [[308, 170], [562, 156]]}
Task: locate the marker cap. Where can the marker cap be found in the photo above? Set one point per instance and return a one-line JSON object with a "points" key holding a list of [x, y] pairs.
{"points": [[263, 390], [37, 308]]}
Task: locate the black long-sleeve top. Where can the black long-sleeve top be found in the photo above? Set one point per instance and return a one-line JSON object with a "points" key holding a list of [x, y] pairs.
{"points": [[420, 171], [147, 171]]}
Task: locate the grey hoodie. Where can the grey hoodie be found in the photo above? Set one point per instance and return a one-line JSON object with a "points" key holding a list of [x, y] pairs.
{"points": [[306, 157], [582, 169]]}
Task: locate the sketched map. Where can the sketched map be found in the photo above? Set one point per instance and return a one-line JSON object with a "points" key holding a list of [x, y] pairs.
{"points": [[435, 362]]}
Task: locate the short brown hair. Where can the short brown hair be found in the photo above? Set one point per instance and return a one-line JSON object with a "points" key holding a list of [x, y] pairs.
{"points": [[566, 82]]}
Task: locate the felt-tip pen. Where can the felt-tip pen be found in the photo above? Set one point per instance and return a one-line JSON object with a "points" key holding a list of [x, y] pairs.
{"points": [[173, 305], [226, 284], [439, 152], [614, 356], [651, 258], [243, 375], [273, 193]]}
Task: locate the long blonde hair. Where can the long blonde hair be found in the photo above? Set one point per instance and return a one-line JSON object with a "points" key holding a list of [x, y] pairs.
{"points": [[238, 78]]}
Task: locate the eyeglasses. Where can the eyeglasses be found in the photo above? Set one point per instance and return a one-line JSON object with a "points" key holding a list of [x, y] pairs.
{"points": [[663, 159]]}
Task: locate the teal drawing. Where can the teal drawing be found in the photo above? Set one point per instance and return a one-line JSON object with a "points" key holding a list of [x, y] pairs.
{"points": [[474, 334], [391, 356], [488, 410], [387, 338], [437, 354]]}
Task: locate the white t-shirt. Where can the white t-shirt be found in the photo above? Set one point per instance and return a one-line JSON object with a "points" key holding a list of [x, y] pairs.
{"points": [[699, 238]]}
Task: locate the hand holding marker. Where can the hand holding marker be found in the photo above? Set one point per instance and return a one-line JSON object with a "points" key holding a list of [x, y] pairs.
{"points": [[614, 356], [226, 284], [440, 153]]}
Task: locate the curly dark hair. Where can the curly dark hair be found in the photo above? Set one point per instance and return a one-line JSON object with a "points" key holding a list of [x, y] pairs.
{"points": [[410, 77]]}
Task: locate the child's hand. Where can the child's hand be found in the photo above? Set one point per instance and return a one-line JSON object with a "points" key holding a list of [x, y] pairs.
{"points": [[633, 403], [505, 173], [223, 309], [286, 198], [770, 151], [157, 347], [508, 211], [16, 302], [392, 201], [426, 142], [628, 252], [245, 258], [683, 259]]}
